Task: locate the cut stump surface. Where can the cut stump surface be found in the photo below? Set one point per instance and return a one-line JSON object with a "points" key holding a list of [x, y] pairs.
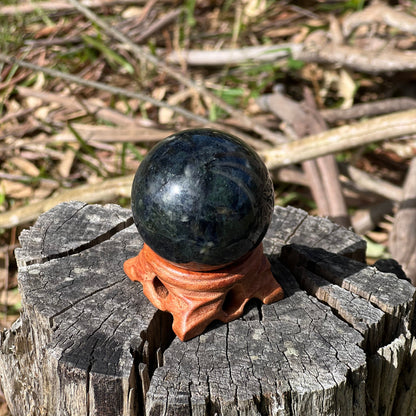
{"points": [[88, 341]]}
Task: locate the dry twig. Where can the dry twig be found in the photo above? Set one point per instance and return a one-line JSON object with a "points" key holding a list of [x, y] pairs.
{"points": [[319, 50], [342, 138], [402, 242], [105, 191], [323, 172], [121, 91], [109, 134], [371, 62], [375, 185], [221, 57], [167, 19], [101, 86], [59, 6], [379, 13], [141, 53], [367, 219], [375, 108]]}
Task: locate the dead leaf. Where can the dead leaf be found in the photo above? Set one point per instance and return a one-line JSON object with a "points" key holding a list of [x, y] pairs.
{"points": [[254, 8], [16, 190], [65, 166], [26, 167], [166, 114], [44, 191], [346, 88], [45, 31], [132, 11]]}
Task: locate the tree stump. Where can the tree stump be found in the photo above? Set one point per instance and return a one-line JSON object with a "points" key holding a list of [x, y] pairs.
{"points": [[89, 343]]}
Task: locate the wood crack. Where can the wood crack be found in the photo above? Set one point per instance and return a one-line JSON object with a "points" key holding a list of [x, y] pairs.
{"points": [[295, 229], [156, 339], [94, 242], [66, 220], [52, 318], [292, 357]]}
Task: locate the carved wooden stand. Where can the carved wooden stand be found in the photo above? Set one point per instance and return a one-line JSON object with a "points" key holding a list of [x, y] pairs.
{"points": [[89, 342], [197, 298]]}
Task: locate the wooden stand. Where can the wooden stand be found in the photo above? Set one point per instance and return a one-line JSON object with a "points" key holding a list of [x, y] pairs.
{"points": [[89, 342], [195, 298]]}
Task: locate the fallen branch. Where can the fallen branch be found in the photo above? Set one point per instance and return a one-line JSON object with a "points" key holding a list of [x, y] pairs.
{"points": [[342, 138], [123, 92], [101, 86], [59, 6], [290, 174], [375, 108], [322, 172], [367, 219], [402, 241], [105, 191], [221, 57], [372, 184], [321, 51], [72, 103], [109, 134], [371, 62], [141, 53], [379, 13]]}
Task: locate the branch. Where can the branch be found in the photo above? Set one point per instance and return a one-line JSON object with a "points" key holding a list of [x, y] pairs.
{"points": [[72, 103], [374, 108], [101, 86], [379, 13], [322, 172], [59, 6], [110, 134], [141, 53], [105, 191], [342, 138], [373, 184], [402, 242], [121, 91], [321, 51], [265, 53], [371, 62]]}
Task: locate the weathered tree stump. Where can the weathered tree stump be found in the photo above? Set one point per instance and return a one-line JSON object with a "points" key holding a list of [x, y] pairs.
{"points": [[89, 343]]}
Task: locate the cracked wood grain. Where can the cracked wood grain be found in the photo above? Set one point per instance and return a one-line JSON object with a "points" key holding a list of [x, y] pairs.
{"points": [[82, 229], [89, 323], [88, 341]]}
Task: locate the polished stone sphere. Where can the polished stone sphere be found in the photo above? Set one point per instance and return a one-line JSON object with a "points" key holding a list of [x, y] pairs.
{"points": [[202, 197]]}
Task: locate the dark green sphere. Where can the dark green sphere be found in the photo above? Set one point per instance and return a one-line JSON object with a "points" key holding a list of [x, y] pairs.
{"points": [[202, 196]]}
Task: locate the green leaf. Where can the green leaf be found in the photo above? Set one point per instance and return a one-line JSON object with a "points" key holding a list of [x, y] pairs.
{"points": [[190, 10], [213, 109], [295, 64], [89, 150], [135, 152], [111, 56], [375, 250]]}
